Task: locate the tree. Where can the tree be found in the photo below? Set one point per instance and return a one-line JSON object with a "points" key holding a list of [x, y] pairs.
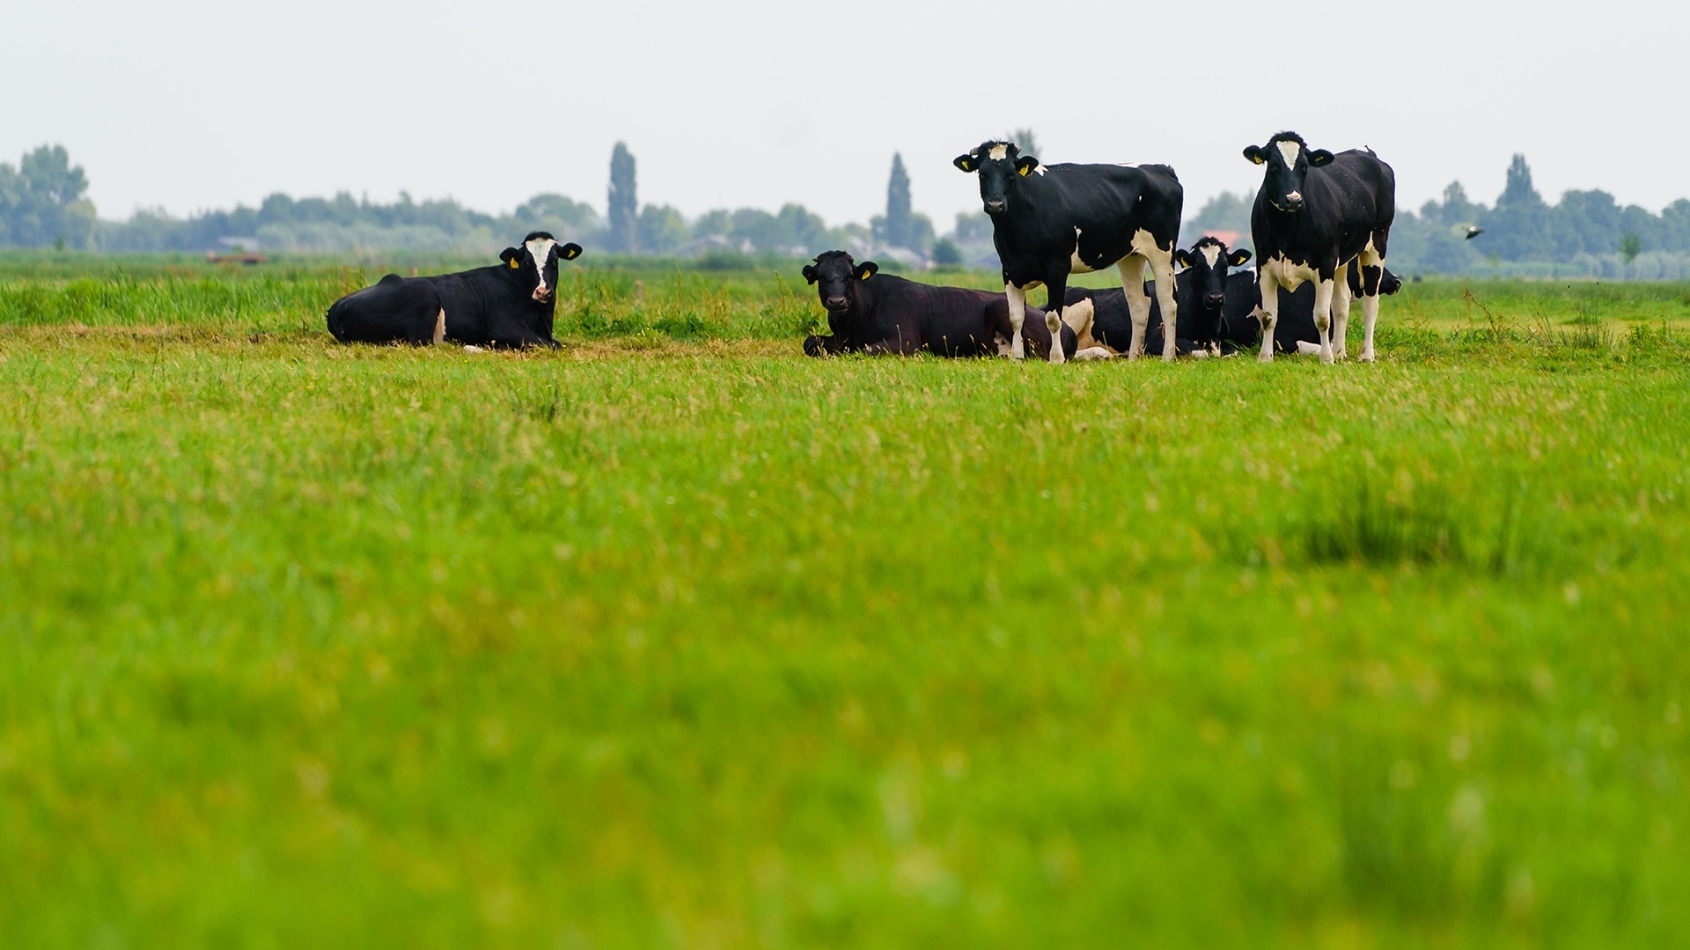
{"points": [[1519, 227], [42, 203], [1630, 246], [623, 203], [898, 205], [1025, 142]]}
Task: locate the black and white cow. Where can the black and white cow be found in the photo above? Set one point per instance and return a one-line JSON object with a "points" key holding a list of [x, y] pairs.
{"points": [[1049, 221], [1103, 321], [1316, 215], [507, 305], [875, 313]]}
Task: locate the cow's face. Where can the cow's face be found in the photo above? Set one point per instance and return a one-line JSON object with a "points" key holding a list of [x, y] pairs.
{"points": [[1000, 165], [1209, 262], [535, 263], [836, 279], [1288, 161]]}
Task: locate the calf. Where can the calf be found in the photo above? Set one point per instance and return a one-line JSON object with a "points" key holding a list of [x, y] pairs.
{"points": [[1049, 221], [1102, 318], [876, 313], [1315, 215], [507, 305]]}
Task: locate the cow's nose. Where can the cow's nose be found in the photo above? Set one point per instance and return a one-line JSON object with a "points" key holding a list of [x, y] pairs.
{"points": [[1214, 300], [994, 206], [834, 303], [1294, 198]]}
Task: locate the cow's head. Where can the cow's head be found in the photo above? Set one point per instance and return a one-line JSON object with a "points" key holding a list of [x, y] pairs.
{"points": [[1288, 160], [1000, 165], [1209, 261], [535, 263], [836, 278]]}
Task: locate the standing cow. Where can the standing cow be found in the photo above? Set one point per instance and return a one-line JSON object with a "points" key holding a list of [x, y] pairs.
{"points": [[1049, 221], [509, 305], [1315, 215]]}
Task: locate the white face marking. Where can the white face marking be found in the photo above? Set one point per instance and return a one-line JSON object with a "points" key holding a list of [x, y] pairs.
{"points": [[541, 248], [1289, 151], [998, 152], [1211, 253]]}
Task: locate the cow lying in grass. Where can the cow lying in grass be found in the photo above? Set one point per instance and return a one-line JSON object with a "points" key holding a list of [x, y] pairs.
{"points": [[508, 305], [875, 313]]}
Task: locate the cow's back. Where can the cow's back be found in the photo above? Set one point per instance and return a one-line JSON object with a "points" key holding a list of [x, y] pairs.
{"points": [[392, 309]]}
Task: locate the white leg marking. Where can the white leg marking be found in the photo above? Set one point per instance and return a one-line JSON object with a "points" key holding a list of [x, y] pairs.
{"points": [[1017, 314], [1094, 353], [1305, 348], [1138, 305], [1162, 268], [1053, 321], [1341, 312], [1369, 302], [440, 327], [1268, 313], [1323, 317]]}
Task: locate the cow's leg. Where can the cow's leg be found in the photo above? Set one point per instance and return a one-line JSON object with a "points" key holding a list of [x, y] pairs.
{"points": [[440, 327], [1056, 289], [1138, 305], [1323, 316], [1017, 314], [1268, 315], [1341, 312], [1372, 272], [1162, 268]]}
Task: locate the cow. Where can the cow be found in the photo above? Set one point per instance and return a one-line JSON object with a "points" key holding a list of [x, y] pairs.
{"points": [[509, 305], [1315, 216], [1049, 221], [875, 313], [1103, 321], [1296, 331]]}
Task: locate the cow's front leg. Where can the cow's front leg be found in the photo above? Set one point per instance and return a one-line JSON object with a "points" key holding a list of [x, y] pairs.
{"points": [[1323, 315], [1138, 305], [1341, 312], [1268, 314], [1162, 269], [1017, 314], [819, 346], [1056, 290]]}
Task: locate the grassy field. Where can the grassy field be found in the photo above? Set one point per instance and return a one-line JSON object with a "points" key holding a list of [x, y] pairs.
{"points": [[677, 639]]}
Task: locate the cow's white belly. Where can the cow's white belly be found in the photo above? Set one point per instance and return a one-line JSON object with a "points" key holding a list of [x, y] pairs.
{"points": [[1287, 273]]}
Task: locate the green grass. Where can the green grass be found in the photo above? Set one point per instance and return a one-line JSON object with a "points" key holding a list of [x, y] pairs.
{"points": [[675, 638]]}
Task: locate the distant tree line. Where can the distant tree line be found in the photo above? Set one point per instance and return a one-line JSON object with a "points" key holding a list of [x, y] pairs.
{"points": [[42, 202]]}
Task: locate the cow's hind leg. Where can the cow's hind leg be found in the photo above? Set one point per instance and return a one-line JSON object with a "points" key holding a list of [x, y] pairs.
{"points": [[1372, 265], [1162, 268], [1341, 312], [1268, 314], [1323, 316], [1056, 291], [1138, 305]]}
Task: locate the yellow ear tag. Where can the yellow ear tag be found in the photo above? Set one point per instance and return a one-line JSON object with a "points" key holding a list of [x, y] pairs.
{"points": [[515, 265], [866, 275], [1024, 169]]}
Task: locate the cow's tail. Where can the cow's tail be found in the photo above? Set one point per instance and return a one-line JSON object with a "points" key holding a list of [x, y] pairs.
{"points": [[333, 320]]}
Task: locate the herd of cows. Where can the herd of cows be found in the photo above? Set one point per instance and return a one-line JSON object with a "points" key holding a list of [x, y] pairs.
{"points": [[1320, 223]]}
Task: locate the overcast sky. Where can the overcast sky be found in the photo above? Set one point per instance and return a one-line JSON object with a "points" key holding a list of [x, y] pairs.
{"points": [[730, 103]]}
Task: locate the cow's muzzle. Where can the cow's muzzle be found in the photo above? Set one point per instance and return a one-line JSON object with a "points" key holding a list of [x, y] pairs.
{"points": [[542, 294], [1213, 301], [836, 304], [996, 206]]}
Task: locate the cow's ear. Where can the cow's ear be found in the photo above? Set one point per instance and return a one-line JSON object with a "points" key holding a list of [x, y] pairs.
{"points": [[867, 269], [1254, 154], [1182, 258], [1025, 165], [810, 274], [1238, 257], [570, 251], [966, 162], [1319, 157], [508, 255]]}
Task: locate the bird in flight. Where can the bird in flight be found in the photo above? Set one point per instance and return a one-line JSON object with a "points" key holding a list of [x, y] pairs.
{"points": [[1474, 231]]}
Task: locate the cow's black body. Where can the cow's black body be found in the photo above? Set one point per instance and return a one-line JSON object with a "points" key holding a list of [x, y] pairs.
{"points": [[1049, 221], [1315, 216], [870, 312], [508, 305]]}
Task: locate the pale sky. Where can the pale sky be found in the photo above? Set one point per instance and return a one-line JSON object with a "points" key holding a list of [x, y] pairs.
{"points": [[730, 103]]}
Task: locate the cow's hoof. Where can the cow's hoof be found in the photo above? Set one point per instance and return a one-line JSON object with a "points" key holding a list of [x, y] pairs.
{"points": [[1366, 356], [1265, 358], [812, 345]]}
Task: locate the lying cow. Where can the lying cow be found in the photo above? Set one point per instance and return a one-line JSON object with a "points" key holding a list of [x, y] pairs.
{"points": [[507, 305], [1102, 319], [1219, 309], [875, 313]]}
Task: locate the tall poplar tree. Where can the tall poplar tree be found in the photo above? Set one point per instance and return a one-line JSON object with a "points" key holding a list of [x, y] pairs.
{"points": [[623, 202], [898, 204]]}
